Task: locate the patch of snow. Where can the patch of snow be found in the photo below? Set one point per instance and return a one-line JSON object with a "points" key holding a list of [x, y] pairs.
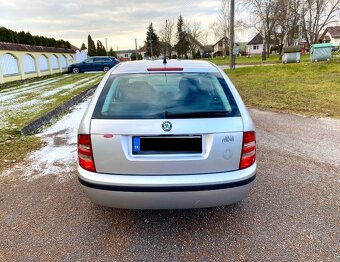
{"points": [[15, 88], [39, 90], [18, 106], [25, 91], [89, 81], [70, 87], [59, 156]]}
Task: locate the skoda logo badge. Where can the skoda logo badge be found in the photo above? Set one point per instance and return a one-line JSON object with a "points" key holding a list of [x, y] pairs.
{"points": [[166, 126]]}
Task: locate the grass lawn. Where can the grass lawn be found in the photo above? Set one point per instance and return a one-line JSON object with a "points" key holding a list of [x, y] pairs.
{"points": [[254, 60], [22, 103], [311, 89]]}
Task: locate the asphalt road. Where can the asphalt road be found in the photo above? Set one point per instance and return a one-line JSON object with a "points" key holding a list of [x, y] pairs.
{"points": [[292, 213]]}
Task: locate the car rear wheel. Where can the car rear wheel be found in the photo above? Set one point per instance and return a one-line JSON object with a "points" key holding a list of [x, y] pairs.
{"points": [[75, 70], [106, 68]]}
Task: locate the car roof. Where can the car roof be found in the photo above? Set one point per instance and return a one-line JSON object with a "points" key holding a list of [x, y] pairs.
{"points": [[142, 66]]}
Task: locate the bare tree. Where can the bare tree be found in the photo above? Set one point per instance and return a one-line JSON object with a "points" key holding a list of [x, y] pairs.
{"points": [[167, 34], [318, 14], [220, 27], [287, 21], [265, 14], [196, 36]]}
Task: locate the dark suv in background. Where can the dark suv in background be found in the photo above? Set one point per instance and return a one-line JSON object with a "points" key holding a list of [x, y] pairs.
{"points": [[94, 63]]}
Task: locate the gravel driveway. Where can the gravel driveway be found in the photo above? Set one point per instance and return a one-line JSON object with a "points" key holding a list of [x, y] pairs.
{"points": [[292, 213]]}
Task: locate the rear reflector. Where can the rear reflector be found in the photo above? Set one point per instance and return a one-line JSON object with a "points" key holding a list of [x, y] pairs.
{"points": [[248, 150], [85, 156], [153, 69]]}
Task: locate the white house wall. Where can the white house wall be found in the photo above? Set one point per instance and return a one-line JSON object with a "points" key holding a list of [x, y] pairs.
{"points": [[9, 65], [28, 64], [334, 41], [252, 51]]}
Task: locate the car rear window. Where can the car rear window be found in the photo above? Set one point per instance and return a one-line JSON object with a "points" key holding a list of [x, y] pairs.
{"points": [[164, 95]]}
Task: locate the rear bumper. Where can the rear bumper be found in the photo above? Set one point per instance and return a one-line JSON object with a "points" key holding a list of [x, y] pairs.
{"points": [[167, 192]]}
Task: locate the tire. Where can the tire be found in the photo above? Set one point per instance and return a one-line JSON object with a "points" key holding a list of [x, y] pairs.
{"points": [[106, 68], [75, 70]]}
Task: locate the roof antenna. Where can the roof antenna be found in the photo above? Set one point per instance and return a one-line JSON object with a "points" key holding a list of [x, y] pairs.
{"points": [[165, 37]]}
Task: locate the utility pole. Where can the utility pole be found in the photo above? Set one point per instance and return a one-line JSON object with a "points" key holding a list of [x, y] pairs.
{"points": [[302, 10], [136, 51], [264, 51], [106, 45], [150, 41], [231, 35], [165, 41]]}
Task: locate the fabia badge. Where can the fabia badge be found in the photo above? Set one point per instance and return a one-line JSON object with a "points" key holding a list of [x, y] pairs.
{"points": [[166, 126]]}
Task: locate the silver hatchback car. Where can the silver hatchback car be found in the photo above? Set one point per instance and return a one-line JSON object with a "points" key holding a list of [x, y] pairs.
{"points": [[166, 136]]}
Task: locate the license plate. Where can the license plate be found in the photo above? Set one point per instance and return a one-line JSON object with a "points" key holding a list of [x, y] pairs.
{"points": [[167, 144]]}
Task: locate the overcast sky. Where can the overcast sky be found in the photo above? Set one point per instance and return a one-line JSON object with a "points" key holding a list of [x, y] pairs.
{"points": [[119, 21]]}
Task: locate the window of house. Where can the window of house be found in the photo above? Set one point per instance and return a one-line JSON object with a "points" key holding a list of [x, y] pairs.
{"points": [[255, 47], [126, 55]]}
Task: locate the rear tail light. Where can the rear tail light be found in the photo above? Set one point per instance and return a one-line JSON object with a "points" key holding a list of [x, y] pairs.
{"points": [[248, 150], [85, 156]]}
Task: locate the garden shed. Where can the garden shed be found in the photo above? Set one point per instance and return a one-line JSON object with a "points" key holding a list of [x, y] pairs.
{"points": [[321, 52], [291, 54]]}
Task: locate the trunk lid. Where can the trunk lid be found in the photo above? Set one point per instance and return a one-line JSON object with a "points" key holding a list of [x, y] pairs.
{"points": [[192, 146]]}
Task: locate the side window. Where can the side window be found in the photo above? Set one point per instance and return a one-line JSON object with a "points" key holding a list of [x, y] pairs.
{"points": [[89, 60], [101, 60]]}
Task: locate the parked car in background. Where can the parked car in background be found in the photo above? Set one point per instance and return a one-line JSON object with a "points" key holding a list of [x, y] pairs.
{"points": [[94, 63], [166, 136]]}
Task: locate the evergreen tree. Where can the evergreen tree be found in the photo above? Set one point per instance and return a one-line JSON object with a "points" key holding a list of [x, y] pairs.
{"points": [[37, 40], [112, 53], [91, 46], [29, 39], [101, 51], [6, 35], [10, 36], [67, 45], [60, 43], [52, 42], [152, 42], [43, 41], [15, 36], [83, 47], [133, 56], [197, 54], [182, 46], [22, 37]]}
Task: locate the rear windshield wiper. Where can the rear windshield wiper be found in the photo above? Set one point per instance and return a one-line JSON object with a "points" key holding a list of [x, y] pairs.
{"points": [[196, 114]]}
